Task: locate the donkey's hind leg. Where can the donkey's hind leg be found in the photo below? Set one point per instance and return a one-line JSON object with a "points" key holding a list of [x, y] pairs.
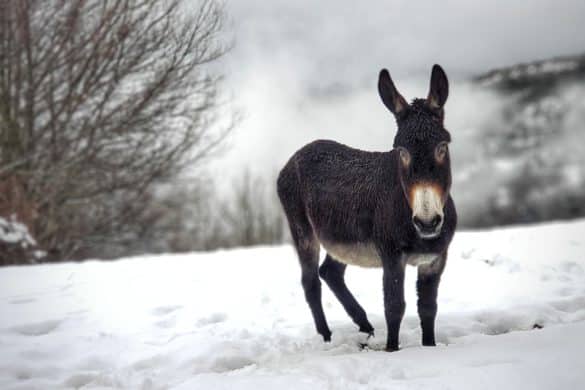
{"points": [[305, 243], [333, 272], [308, 251]]}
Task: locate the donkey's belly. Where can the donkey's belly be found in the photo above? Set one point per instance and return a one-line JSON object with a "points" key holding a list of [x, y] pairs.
{"points": [[360, 254], [366, 255], [416, 259]]}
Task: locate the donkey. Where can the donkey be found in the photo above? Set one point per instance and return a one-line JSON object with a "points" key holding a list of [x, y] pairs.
{"points": [[376, 209]]}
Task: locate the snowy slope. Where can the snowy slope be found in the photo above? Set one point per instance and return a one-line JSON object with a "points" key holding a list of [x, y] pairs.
{"points": [[237, 320]]}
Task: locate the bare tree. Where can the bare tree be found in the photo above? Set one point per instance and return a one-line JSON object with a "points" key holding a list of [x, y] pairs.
{"points": [[99, 99], [190, 216]]}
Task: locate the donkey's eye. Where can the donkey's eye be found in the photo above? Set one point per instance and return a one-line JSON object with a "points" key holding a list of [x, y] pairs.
{"points": [[441, 151], [404, 156]]}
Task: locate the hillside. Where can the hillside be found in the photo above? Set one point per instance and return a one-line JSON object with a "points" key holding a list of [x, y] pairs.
{"points": [[511, 315], [525, 160], [537, 77]]}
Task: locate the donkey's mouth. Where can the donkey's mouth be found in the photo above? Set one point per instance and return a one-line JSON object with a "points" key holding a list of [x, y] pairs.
{"points": [[428, 229], [428, 234]]}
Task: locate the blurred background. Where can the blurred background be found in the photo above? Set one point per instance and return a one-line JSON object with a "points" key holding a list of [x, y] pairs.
{"points": [[136, 126]]}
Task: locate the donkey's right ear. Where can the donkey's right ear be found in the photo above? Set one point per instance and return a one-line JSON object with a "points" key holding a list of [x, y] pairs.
{"points": [[390, 96]]}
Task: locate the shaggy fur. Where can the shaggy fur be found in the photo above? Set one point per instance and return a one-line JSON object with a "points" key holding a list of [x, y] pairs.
{"points": [[357, 205]]}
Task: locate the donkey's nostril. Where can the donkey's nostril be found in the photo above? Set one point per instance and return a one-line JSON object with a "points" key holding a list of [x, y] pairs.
{"points": [[418, 223], [427, 226], [435, 221]]}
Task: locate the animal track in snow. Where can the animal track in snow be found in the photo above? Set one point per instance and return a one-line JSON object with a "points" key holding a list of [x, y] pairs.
{"points": [[37, 328], [21, 301], [231, 363], [215, 318], [164, 310], [166, 323], [489, 362], [150, 362], [93, 380], [80, 380]]}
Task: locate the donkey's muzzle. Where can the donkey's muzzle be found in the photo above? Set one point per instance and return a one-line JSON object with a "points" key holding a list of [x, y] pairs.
{"points": [[428, 229], [427, 204]]}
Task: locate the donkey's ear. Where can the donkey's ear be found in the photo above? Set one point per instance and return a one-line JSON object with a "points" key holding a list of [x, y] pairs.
{"points": [[390, 96], [439, 90]]}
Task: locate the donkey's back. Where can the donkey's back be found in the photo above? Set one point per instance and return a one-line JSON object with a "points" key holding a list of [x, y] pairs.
{"points": [[329, 193]]}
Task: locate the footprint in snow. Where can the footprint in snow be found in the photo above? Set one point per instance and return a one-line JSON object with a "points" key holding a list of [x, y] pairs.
{"points": [[164, 310], [166, 323], [467, 254], [231, 363], [215, 318], [91, 380], [489, 362], [150, 362], [37, 328], [79, 380], [21, 301]]}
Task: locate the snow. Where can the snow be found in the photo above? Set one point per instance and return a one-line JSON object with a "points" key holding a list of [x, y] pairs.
{"points": [[237, 320], [550, 66], [13, 232], [554, 66]]}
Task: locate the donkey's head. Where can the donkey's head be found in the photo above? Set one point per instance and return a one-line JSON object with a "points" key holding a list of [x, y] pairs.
{"points": [[423, 164]]}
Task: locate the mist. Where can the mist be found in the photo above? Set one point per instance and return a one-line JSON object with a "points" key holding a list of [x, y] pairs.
{"points": [[305, 70]]}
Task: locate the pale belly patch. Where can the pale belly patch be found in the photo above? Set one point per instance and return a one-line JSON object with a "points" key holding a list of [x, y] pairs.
{"points": [[416, 259], [366, 255], [360, 254]]}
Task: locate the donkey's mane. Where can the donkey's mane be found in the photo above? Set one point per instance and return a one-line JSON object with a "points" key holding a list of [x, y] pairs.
{"points": [[420, 124], [420, 106]]}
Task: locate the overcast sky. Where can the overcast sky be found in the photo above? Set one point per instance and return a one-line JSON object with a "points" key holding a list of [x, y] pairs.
{"points": [[306, 69], [346, 35]]}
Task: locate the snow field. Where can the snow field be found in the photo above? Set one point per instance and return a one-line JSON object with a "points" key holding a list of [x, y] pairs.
{"points": [[238, 320]]}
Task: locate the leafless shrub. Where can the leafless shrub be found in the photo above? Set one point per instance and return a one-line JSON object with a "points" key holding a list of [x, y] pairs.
{"points": [[98, 101], [190, 216], [17, 246], [253, 217]]}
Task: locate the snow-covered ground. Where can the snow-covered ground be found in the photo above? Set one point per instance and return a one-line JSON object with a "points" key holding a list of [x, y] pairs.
{"points": [[237, 320]]}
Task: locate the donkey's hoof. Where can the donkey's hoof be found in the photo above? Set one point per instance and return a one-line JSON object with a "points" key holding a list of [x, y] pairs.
{"points": [[428, 341], [370, 334], [392, 348], [367, 328], [326, 337], [365, 345]]}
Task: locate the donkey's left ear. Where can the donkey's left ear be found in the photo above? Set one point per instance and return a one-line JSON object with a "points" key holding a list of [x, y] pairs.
{"points": [[391, 98], [439, 89]]}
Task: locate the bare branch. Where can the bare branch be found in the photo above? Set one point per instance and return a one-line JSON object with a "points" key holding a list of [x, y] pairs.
{"points": [[99, 100]]}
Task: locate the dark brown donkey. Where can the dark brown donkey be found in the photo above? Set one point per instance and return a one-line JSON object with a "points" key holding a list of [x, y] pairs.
{"points": [[376, 210]]}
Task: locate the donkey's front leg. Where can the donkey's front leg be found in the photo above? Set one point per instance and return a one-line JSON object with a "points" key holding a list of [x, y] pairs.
{"points": [[393, 298], [427, 286]]}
